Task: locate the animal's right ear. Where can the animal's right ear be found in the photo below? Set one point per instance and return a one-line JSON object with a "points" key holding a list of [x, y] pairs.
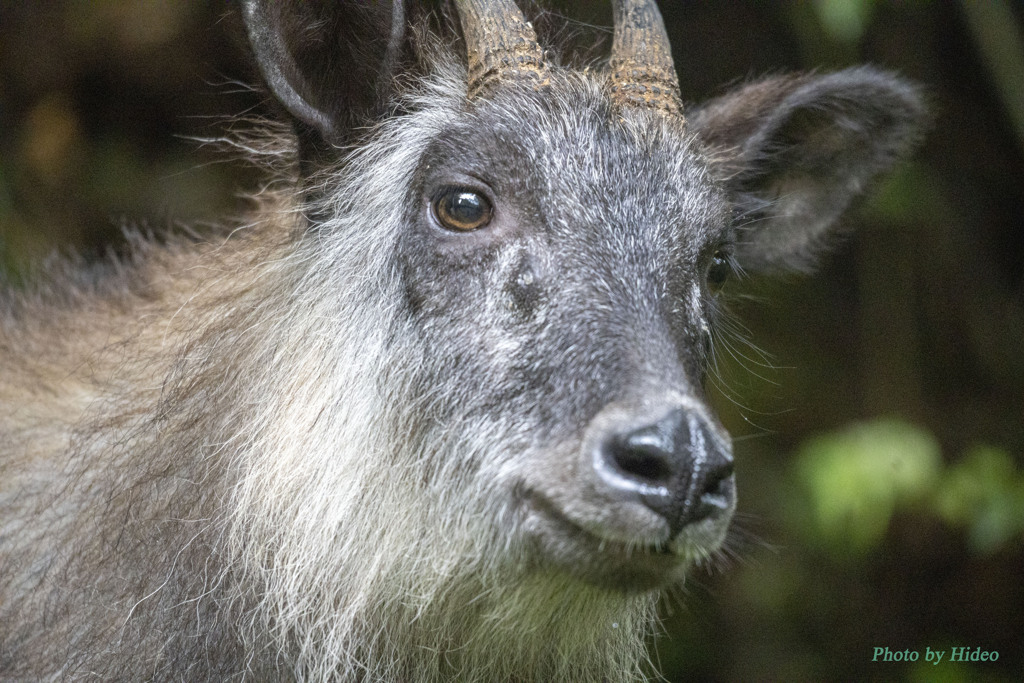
{"points": [[330, 63]]}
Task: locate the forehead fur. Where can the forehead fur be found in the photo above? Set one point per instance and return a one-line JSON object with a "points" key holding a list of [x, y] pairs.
{"points": [[567, 143]]}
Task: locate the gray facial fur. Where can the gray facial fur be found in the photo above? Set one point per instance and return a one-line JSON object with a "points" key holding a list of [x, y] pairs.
{"points": [[342, 440]]}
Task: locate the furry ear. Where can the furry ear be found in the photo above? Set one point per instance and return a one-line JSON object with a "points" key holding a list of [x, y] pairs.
{"points": [[795, 151], [330, 63]]}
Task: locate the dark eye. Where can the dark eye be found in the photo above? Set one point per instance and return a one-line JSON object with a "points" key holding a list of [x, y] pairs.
{"points": [[462, 210], [719, 270]]}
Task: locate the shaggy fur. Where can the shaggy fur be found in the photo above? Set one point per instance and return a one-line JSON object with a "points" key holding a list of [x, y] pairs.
{"points": [[326, 444], [168, 513]]}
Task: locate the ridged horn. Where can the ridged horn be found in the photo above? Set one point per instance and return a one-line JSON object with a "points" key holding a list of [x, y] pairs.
{"points": [[501, 45], [642, 72]]}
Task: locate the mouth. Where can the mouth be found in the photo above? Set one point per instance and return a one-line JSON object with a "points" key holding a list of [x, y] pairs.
{"points": [[626, 566]]}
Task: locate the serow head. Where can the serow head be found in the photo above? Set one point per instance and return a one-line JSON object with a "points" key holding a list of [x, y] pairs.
{"points": [[555, 241]]}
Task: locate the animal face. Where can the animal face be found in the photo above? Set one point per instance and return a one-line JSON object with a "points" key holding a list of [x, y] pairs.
{"points": [[437, 410], [572, 299], [560, 242]]}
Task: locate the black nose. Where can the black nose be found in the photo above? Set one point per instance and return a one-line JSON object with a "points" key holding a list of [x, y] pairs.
{"points": [[677, 466]]}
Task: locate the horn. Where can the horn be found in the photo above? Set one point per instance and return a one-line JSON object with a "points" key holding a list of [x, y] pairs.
{"points": [[642, 73], [500, 45]]}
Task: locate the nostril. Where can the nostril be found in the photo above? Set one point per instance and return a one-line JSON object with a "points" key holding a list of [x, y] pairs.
{"points": [[717, 477], [716, 493], [641, 460]]}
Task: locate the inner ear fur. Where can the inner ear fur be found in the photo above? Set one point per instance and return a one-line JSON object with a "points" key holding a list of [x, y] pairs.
{"points": [[795, 151], [330, 64]]}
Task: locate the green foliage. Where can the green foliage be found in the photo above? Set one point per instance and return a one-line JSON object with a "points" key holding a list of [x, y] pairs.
{"points": [[910, 190], [983, 493], [854, 480], [944, 672], [844, 20]]}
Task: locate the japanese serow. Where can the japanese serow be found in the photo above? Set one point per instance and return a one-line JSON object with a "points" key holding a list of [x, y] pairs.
{"points": [[436, 410]]}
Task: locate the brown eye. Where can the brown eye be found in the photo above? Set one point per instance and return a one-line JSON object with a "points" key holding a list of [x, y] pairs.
{"points": [[462, 210], [719, 270]]}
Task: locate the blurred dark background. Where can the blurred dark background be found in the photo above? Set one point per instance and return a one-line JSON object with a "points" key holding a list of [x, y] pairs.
{"points": [[878, 406]]}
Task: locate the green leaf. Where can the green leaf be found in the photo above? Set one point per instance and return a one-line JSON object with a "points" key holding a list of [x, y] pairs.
{"points": [[854, 479], [844, 20], [983, 492]]}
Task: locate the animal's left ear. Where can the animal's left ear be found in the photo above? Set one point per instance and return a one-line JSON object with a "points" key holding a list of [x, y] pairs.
{"points": [[795, 151]]}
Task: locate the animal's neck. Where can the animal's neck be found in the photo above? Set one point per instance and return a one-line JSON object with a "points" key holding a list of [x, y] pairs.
{"points": [[543, 627]]}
